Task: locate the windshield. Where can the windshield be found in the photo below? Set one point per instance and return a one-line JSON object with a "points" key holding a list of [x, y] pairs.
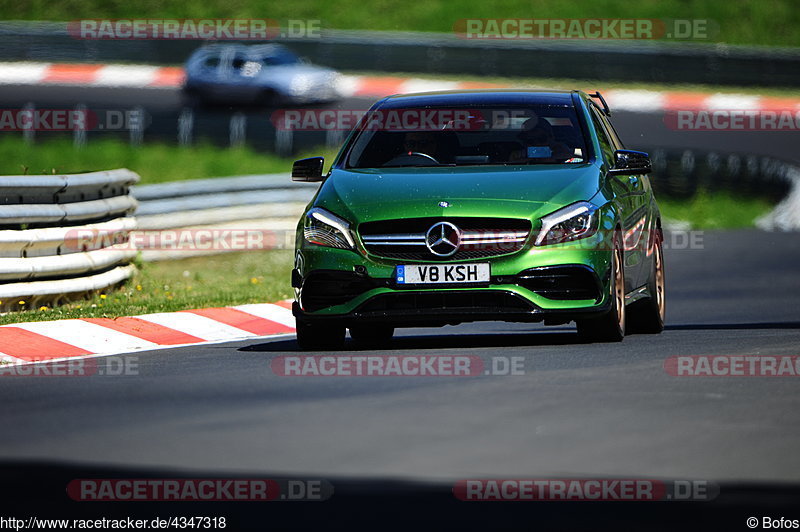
{"points": [[436, 136]]}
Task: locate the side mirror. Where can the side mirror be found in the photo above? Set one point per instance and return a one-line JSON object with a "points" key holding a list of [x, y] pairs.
{"points": [[309, 170], [629, 162]]}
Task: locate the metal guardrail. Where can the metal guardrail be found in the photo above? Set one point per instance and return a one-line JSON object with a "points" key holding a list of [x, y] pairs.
{"points": [[64, 235], [446, 53], [681, 174], [266, 204]]}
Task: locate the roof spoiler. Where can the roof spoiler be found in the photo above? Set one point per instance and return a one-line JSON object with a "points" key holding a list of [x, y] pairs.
{"points": [[596, 94]]}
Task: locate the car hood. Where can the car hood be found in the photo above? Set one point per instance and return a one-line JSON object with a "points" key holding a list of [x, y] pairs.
{"points": [[511, 192]]}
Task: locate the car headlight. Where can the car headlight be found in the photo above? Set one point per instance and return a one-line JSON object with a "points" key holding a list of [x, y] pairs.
{"points": [[573, 222], [326, 229]]}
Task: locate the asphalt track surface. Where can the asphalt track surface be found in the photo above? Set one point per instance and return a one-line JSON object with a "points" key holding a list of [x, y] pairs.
{"points": [[578, 411]]}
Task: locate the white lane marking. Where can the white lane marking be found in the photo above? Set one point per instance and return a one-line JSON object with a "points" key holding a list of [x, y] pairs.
{"points": [[154, 348], [427, 85], [733, 101], [196, 325], [269, 312], [635, 100], [126, 76], [22, 73], [88, 336]]}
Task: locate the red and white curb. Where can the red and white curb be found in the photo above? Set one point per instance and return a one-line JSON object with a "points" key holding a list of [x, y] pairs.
{"points": [[44, 341], [147, 76]]}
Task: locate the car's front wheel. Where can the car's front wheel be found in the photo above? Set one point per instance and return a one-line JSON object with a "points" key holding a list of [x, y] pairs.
{"points": [[319, 336], [647, 316], [372, 335], [611, 326]]}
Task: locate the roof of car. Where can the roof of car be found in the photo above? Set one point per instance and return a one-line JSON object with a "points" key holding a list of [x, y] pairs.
{"points": [[250, 49], [480, 97]]}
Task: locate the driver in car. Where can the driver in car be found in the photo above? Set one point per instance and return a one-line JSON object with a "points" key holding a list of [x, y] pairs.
{"points": [[539, 143]]}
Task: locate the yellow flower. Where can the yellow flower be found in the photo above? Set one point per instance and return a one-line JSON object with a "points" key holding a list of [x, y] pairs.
{"points": [[254, 280], [102, 296], [139, 287], [21, 302], [42, 308]]}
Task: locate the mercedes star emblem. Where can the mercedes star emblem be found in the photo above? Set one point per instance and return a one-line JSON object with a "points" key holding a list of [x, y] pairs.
{"points": [[443, 239]]}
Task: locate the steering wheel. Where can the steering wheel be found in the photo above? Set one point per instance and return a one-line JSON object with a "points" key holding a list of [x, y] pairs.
{"points": [[408, 158]]}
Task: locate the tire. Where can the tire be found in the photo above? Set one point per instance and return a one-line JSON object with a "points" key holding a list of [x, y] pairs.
{"points": [[320, 336], [611, 326], [373, 335], [647, 316]]}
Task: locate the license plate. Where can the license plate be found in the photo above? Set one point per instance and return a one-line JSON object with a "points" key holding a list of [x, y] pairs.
{"points": [[443, 273]]}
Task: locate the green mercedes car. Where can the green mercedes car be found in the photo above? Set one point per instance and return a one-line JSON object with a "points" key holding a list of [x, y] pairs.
{"points": [[449, 207]]}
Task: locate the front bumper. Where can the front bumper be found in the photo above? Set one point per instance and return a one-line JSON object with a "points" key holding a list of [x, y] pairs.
{"points": [[552, 284]]}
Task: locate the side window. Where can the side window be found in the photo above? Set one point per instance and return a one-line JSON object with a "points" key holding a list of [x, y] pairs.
{"points": [[605, 143], [612, 133], [211, 62]]}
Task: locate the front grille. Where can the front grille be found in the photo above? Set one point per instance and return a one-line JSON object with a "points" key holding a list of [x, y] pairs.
{"points": [[409, 239], [474, 301], [561, 282]]}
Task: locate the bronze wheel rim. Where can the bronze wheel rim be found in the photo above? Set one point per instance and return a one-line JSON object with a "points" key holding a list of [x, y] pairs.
{"points": [[659, 295], [619, 288]]}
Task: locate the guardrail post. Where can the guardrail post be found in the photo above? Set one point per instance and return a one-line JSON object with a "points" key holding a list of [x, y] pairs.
{"points": [[78, 132], [136, 125], [238, 129], [284, 139], [29, 134], [185, 126]]}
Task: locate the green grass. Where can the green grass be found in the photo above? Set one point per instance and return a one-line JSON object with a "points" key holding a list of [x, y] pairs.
{"points": [[764, 22], [718, 210], [154, 162], [215, 281]]}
